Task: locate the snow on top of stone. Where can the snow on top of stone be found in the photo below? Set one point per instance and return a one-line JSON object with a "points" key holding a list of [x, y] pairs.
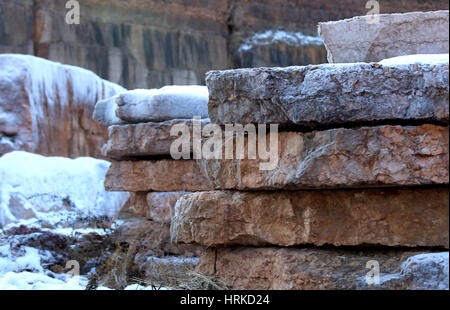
{"points": [[183, 90], [422, 59], [54, 189], [166, 103], [279, 36], [54, 75], [53, 82], [105, 112], [54, 98]]}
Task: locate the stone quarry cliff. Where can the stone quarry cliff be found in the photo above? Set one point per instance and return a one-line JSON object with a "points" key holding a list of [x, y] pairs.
{"points": [[148, 44]]}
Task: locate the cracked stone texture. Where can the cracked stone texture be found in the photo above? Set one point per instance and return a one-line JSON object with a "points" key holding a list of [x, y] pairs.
{"points": [[330, 94], [144, 139], [390, 217], [156, 175], [336, 158], [156, 206], [312, 268], [356, 40]]}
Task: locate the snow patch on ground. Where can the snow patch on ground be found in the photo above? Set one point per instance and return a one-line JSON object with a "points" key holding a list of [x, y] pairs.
{"points": [[30, 260], [46, 204], [279, 36], [21, 269], [427, 59], [38, 281], [55, 191]]}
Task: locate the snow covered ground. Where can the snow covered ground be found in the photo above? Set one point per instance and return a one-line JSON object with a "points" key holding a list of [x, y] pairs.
{"points": [[45, 204], [24, 268], [54, 191]]}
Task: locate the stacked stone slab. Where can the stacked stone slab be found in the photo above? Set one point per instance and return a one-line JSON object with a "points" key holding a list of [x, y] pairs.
{"points": [[361, 182], [139, 133], [373, 38]]}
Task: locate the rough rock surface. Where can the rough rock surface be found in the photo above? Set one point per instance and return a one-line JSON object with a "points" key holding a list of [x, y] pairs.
{"points": [[330, 94], [156, 175], [336, 158], [167, 103], [357, 40], [156, 206], [46, 107], [308, 268], [144, 139], [390, 217]]}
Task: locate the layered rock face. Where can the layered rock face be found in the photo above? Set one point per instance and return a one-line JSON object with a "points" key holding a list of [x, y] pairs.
{"points": [[355, 195], [329, 95], [392, 217], [371, 41], [143, 139], [325, 269], [342, 158], [46, 107], [148, 44], [351, 170], [336, 158], [143, 127]]}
